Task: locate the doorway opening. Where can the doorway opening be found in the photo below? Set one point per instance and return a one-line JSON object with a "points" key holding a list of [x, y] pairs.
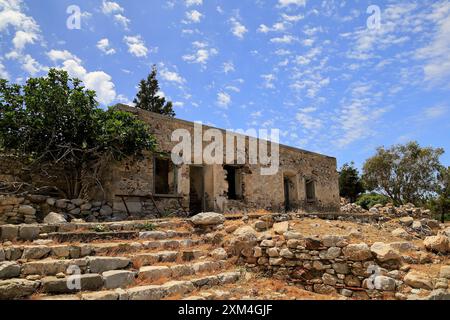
{"points": [[234, 179], [196, 190]]}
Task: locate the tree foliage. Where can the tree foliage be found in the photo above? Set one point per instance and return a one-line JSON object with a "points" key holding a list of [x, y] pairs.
{"points": [[148, 97], [441, 204], [56, 122], [369, 200], [405, 173], [350, 183]]}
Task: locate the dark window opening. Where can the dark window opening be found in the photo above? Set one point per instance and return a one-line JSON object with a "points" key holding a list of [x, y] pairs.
{"points": [[164, 176], [234, 182], [310, 191]]}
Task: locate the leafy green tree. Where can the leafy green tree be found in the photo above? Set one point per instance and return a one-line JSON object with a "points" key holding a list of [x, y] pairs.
{"points": [[148, 97], [367, 201], [350, 183], [56, 123], [405, 173], [441, 204]]}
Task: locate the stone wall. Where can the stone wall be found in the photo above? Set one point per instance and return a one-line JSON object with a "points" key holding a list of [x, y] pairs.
{"points": [[331, 264], [135, 177], [31, 209]]}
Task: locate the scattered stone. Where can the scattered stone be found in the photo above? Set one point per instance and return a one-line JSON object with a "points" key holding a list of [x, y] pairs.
{"points": [[445, 272], [35, 252], [384, 283], [219, 254], [88, 282], [9, 269], [77, 202], [418, 280], [29, 232], [61, 203], [17, 288], [9, 232], [118, 278], [334, 241], [106, 211], [407, 221], [437, 244], [291, 235], [402, 233], [102, 264], [281, 227], [153, 273], [330, 254], [101, 296], [208, 218], [27, 210], [357, 252], [55, 218], [384, 252]]}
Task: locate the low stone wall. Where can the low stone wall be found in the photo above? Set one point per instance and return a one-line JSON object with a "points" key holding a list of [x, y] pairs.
{"points": [[331, 265], [30, 209]]}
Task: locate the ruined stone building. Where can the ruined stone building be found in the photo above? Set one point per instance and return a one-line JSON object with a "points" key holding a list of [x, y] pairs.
{"points": [[305, 180]]}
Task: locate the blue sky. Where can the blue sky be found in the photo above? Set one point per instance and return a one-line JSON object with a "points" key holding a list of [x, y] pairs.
{"points": [[316, 70]]}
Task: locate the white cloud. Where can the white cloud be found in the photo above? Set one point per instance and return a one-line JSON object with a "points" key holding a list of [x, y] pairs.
{"points": [[233, 88], [122, 20], [286, 3], [110, 7], [292, 18], [435, 112], [202, 53], [268, 80], [237, 28], [22, 38], [228, 67], [190, 3], [99, 81], [104, 46], [136, 46], [3, 73], [193, 16], [113, 8], [308, 121], [277, 27], [28, 63], [172, 76], [223, 99], [61, 55], [286, 39], [437, 52], [26, 28]]}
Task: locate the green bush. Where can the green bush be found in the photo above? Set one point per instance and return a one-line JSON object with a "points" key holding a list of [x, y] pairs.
{"points": [[148, 226], [367, 201]]}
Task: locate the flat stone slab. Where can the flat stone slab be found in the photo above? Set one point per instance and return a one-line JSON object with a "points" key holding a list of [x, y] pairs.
{"points": [[87, 282], [91, 236]]}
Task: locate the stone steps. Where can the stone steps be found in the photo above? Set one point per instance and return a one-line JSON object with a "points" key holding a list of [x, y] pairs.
{"points": [[95, 264], [90, 236], [168, 290], [75, 251], [104, 273], [32, 232]]}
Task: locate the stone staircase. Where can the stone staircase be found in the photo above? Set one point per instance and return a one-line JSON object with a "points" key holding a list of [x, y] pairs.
{"points": [[116, 261]]}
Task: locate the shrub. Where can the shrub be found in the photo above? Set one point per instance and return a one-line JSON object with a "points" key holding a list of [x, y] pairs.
{"points": [[367, 201]]}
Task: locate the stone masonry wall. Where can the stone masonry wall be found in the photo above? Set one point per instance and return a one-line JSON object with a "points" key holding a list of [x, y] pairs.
{"points": [[331, 264], [260, 192]]}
